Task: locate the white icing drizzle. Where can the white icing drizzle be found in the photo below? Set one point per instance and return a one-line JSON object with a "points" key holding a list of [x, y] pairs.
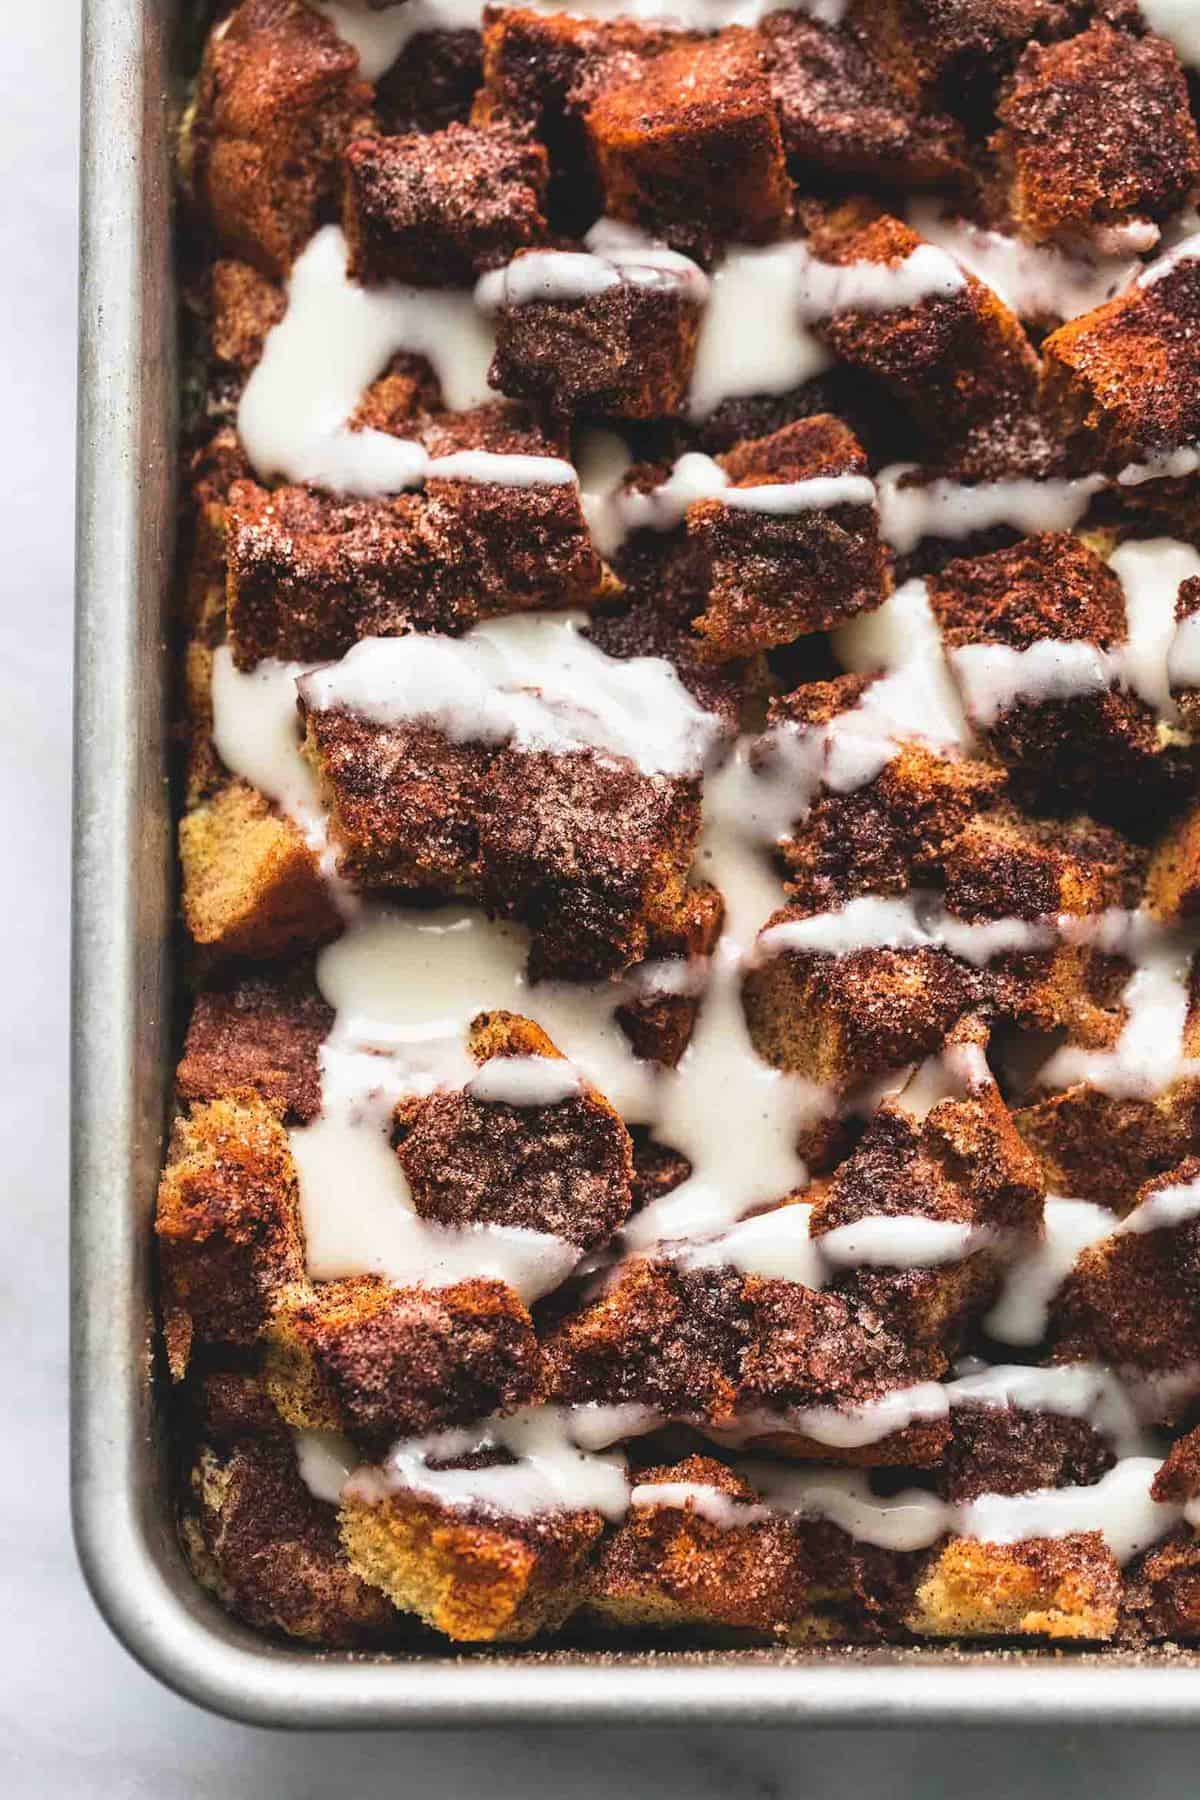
{"points": [[1162, 1210], [335, 338], [1035, 1273], [912, 510], [1163, 465], [1038, 281], [753, 339], [910, 921], [550, 1472], [1186, 250], [1118, 1506], [912, 1520], [256, 733], [850, 1427], [380, 36], [701, 1498], [776, 1245], [616, 253], [1179, 22], [994, 677], [525, 1081], [508, 471], [1183, 657], [902, 1241], [325, 1460], [532, 680]]}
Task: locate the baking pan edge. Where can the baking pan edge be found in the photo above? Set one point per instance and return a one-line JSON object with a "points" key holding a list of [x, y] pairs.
{"points": [[121, 1045]]}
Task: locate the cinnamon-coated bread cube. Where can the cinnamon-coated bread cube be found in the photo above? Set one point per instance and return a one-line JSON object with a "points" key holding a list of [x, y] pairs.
{"points": [[432, 83], [659, 1021], [1097, 139], [261, 1032], [626, 352], [564, 1167], [772, 576], [245, 305], [382, 1362], [230, 1236], [954, 49], [1121, 385], [1182, 673], [1173, 878], [478, 1578], [269, 1549], [593, 855], [252, 886], [436, 209], [840, 1019], [278, 96], [689, 146], [958, 358], [1131, 1298], [1100, 745], [1055, 1588], [1101, 1146], [1162, 1590], [839, 112], [671, 1565]]}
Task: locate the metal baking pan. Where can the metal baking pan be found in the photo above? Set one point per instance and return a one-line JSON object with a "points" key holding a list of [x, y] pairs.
{"points": [[123, 1040]]}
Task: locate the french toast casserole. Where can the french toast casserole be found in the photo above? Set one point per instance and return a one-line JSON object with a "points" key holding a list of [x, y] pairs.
{"points": [[690, 822]]}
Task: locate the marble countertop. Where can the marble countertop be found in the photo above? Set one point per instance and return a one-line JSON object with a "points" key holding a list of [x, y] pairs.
{"points": [[76, 1716]]}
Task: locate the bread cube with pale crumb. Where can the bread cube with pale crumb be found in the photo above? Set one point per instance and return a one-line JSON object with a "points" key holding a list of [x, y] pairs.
{"points": [[269, 1550], [772, 576], [1101, 1146], [671, 1564], [688, 144], [381, 1362], [252, 885], [436, 209], [473, 1574], [1173, 878], [958, 359], [1121, 385], [260, 1032], [1056, 1588], [625, 352], [278, 97], [230, 1236], [563, 1167], [1097, 141]]}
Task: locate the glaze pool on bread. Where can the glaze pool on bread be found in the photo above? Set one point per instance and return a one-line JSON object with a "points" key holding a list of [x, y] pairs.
{"points": [[690, 1115]]}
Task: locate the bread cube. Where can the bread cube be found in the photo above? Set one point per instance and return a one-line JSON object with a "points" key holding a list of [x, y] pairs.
{"points": [[230, 1237], [1097, 139], [262, 1033], [436, 209]]}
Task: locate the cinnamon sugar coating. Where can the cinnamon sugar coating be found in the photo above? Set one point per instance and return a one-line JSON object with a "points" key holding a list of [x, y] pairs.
{"points": [[1048, 1587], [310, 574], [1012, 1450], [277, 100], [1095, 134], [770, 578], [565, 1168], [270, 1552], [438, 208], [385, 1362], [688, 145], [839, 112], [228, 1224], [263, 1033], [955, 49]]}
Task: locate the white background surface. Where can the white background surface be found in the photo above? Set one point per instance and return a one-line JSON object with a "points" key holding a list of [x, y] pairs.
{"points": [[77, 1719]]}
